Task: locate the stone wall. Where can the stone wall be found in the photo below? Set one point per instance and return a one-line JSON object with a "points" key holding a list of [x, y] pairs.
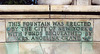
{"points": [[82, 12]]}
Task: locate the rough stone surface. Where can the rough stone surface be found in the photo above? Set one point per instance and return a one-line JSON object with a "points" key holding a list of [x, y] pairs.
{"points": [[52, 2], [24, 8], [96, 36], [96, 2], [2, 31], [57, 16], [83, 16], [83, 2], [90, 48], [61, 48], [2, 48], [75, 8], [30, 48], [24, 16]]}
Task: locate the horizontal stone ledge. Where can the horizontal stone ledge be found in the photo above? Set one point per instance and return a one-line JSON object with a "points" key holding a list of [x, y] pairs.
{"points": [[83, 16], [74, 16], [75, 8], [24, 16], [24, 8], [47, 8], [54, 16]]}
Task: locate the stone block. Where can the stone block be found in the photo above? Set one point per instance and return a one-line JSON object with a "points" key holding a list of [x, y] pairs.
{"points": [[24, 8], [30, 48], [90, 48], [97, 2], [75, 8], [96, 36], [2, 48], [54, 2], [2, 31], [61, 47], [83, 2]]}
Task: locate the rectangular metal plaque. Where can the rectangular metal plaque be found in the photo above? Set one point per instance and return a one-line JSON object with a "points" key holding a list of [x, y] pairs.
{"points": [[49, 30]]}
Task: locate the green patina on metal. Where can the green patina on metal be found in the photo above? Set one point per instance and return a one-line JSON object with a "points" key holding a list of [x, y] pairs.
{"points": [[49, 31]]}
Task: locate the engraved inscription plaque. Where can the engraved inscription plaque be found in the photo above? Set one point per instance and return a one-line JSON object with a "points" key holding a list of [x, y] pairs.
{"points": [[49, 30]]}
